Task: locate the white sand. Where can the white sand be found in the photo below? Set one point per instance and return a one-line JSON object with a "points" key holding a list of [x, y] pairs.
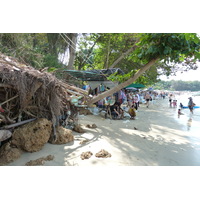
{"points": [[161, 140]]}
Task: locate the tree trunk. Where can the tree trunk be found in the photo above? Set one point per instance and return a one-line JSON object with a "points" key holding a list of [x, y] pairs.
{"points": [[72, 51], [124, 54], [123, 85], [35, 42], [108, 54], [52, 40]]}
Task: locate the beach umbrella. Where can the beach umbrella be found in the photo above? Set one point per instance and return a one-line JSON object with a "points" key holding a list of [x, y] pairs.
{"points": [[131, 88], [136, 85]]}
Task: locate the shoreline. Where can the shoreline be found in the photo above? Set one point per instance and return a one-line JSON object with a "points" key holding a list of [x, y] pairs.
{"points": [[155, 138]]}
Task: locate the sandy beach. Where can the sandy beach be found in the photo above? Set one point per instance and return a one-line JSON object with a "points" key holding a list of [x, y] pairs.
{"points": [[156, 138]]}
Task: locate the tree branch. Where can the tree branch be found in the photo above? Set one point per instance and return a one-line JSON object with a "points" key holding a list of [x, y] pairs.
{"points": [[123, 85]]}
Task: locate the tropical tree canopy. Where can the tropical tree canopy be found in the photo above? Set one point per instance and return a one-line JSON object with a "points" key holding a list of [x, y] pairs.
{"points": [[142, 56]]}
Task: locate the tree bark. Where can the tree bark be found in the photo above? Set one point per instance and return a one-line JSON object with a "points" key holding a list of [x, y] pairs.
{"points": [[125, 54], [123, 85], [72, 51], [52, 40], [108, 54]]}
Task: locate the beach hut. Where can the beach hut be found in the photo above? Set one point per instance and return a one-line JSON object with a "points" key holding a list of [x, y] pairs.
{"points": [[94, 78]]}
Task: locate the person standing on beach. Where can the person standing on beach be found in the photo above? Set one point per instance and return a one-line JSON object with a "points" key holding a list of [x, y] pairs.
{"points": [[191, 104], [138, 96], [147, 98], [129, 99], [170, 100], [135, 102]]}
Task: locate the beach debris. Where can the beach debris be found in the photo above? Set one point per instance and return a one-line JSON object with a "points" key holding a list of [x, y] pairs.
{"points": [[63, 136], [103, 114], [5, 134], [103, 154], [78, 128], [18, 124], [27, 93], [91, 126], [40, 161], [86, 155], [8, 153], [127, 121], [84, 111], [84, 141], [31, 137]]}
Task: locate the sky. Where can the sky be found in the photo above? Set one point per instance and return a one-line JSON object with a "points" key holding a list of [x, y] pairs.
{"points": [[191, 75]]}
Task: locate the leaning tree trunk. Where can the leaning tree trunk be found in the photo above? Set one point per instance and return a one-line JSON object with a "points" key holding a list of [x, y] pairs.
{"points": [[123, 85], [72, 51]]}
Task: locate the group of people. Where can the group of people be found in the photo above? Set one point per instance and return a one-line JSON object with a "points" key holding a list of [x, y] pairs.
{"points": [[129, 105], [117, 112], [191, 105], [172, 102]]}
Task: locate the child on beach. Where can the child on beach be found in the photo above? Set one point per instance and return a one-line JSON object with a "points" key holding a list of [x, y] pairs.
{"points": [[132, 112], [174, 103], [179, 112]]}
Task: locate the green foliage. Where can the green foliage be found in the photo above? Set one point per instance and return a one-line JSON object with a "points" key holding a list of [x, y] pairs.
{"points": [[101, 50], [121, 78], [31, 49], [168, 46], [51, 61], [178, 85]]}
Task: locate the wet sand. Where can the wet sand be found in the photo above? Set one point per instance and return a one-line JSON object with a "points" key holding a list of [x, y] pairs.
{"points": [[156, 138]]}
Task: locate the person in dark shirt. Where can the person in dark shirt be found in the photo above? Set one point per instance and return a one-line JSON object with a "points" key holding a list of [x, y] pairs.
{"points": [[181, 105], [113, 110], [120, 110], [116, 111]]}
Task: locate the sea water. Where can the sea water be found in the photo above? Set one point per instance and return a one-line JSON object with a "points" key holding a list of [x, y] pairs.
{"points": [[190, 122]]}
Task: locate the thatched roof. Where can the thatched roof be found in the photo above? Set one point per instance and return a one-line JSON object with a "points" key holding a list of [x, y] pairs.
{"points": [[26, 93]]}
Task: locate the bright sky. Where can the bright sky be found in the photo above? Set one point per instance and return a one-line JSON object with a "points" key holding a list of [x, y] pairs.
{"points": [[192, 75]]}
